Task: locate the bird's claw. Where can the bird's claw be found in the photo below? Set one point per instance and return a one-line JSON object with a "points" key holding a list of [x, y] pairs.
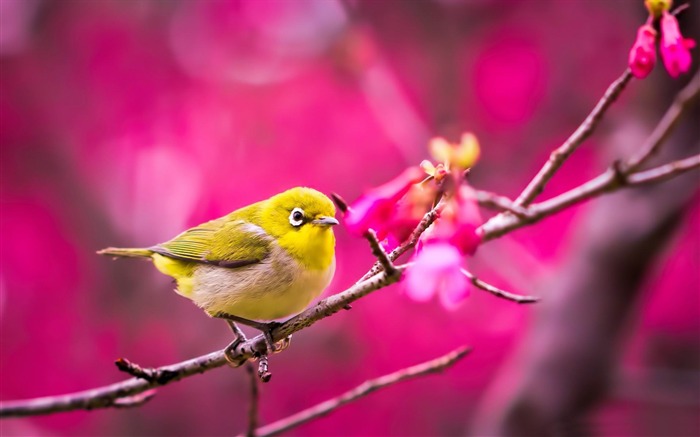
{"points": [[282, 344], [230, 353]]}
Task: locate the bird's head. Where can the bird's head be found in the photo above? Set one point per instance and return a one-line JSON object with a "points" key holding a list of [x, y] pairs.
{"points": [[301, 221]]}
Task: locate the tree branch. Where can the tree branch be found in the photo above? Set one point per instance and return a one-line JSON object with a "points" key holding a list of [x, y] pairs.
{"points": [[500, 203], [664, 172], [135, 400], [114, 395], [663, 129], [612, 180], [147, 373], [110, 395], [618, 176], [407, 245], [557, 158], [497, 291], [367, 387], [254, 401], [379, 253]]}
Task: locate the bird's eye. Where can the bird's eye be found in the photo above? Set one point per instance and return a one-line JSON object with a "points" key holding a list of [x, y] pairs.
{"points": [[296, 218]]}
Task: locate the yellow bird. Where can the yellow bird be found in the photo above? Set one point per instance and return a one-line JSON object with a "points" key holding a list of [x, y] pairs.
{"points": [[265, 261]]}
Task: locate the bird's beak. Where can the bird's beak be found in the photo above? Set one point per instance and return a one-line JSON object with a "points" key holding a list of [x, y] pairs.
{"points": [[325, 221]]}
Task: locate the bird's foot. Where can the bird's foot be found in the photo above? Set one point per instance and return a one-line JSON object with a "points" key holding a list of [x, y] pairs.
{"points": [[265, 328], [270, 344], [230, 354], [230, 350], [283, 344]]}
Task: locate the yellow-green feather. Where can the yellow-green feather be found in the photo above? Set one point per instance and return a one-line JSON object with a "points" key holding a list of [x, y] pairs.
{"points": [[245, 235], [228, 239]]}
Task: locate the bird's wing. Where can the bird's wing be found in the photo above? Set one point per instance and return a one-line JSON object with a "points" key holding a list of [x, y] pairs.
{"points": [[222, 242]]}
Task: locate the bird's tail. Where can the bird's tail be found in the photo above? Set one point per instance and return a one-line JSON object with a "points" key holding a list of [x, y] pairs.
{"points": [[127, 252]]}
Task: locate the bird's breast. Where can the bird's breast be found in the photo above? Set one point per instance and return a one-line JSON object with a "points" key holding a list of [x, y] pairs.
{"points": [[277, 287]]}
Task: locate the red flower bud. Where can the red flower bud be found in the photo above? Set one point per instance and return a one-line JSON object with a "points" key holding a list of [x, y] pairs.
{"points": [[643, 54], [675, 50]]}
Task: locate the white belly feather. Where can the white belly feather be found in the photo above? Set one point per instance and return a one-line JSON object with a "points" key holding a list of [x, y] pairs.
{"points": [[274, 288]]}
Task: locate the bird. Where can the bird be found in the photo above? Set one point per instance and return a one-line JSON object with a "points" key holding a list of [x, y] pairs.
{"points": [[260, 263]]}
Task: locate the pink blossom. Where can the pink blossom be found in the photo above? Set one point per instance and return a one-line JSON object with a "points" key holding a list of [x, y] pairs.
{"points": [[408, 213], [467, 237], [458, 223], [439, 254], [675, 50], [376, 209], [437, 271], [643, 54]]}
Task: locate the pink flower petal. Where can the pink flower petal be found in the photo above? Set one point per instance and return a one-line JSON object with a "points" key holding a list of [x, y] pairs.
{"points": [[455, 288], [437, 271], [466, 238], [390, 242], [368, 212], [675, 50], [376, 209], [421, 284], [642, 56], [458, 224]]}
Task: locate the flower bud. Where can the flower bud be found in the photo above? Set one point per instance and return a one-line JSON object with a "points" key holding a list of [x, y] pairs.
{"points": [[675, 50], [643, 54]]}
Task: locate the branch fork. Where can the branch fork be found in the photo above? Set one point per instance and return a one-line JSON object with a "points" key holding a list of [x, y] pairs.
{"points": [[150, 374]]}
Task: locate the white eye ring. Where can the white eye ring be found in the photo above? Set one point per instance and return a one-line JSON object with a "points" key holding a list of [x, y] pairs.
{"points": [[296, 217]]}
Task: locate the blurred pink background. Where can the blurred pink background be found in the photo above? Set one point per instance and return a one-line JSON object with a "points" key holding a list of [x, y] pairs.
{"points": [[124, 122]]}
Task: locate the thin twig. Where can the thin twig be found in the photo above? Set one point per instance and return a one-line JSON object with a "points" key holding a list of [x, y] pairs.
{"points": [[664, 172], [680, 9], [379, 252], [663, 129], [147, 373], [499, 203], [254, 400], [609, 181], [367, 387], [324, 308], [113, 395], [497, 291], [616, 177], [423, 225], [557, 158], [407, 245], [135, 400]]}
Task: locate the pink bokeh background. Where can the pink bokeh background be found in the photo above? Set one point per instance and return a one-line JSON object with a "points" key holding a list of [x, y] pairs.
{"points": [[123, 123]]}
